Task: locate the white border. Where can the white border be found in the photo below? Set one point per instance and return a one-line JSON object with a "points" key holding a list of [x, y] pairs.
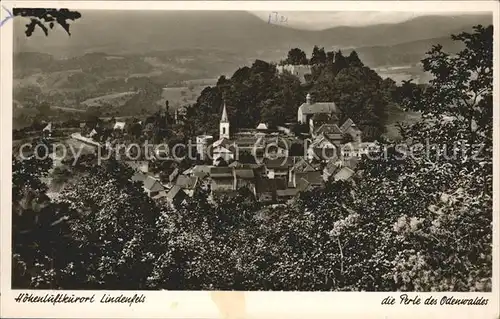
{"points": [[185, 304]]}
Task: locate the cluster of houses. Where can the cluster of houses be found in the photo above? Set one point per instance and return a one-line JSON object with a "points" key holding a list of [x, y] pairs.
{"points": [[274, 180], [274, 165], [274, 172]]}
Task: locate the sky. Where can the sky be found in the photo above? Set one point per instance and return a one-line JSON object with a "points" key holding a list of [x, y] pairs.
{"points": [[314, 20]]}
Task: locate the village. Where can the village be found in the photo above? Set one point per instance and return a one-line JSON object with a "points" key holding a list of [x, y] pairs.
{"points": [[272, 165], [219, 152]]}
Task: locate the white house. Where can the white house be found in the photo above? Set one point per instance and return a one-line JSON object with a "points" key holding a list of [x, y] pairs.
{"points": [[310, 107], [119, 126]]}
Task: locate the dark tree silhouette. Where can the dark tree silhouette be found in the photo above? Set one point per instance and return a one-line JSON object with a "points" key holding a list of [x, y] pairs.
{"points": [[296, 57], [318, 56], [46, 19]]}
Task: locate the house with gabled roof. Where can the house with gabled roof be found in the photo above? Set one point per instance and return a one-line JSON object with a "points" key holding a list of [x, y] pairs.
{"points": [[201, 171], [142, 166], [222, 179], [173, 175], [332, 131], [331, 168], [244, 178], [310, 107], [323, 149], [187, 183], [176, 196], [139, 176], [302, 169], [347, 124], [349, 127], [152, 186], [355, 149], [319, 119], [345, 173], [223, 149], [278, 167]]}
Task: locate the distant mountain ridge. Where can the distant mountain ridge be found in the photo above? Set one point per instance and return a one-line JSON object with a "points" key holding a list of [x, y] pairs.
{"points": [[125, 32]]}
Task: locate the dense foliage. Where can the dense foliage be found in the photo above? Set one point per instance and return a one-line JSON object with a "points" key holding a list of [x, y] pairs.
{"points": [[46, 18], [410, 221], [261, 94]]}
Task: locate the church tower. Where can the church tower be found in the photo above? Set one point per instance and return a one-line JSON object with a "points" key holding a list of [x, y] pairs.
{"points": [[224, 124]]}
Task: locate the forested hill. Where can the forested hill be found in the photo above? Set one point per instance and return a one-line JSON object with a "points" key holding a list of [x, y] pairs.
{"points": [[258, 93]]}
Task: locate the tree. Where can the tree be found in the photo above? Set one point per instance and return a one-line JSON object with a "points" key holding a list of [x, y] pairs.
{"points": [[272, 113], [318, 56], [296, 57], [359, 95], [46, 19], [114, 229], [469, 75], [41, 237], [435, 208], [353, 59], [44, 108], [340, 62], [330, 55]]}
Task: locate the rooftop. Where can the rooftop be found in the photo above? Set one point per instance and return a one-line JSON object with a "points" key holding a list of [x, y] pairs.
{"points": [[153, 185], [287, 192], [329, 129], [262, 126], [175, 191], [221, 172], [303, 166], [184, 181], [201, 170], [347, 124], [119, 126], [344, 174], [139, 177], [313, 178], [283, 162], [318, 107], [244, 173]]}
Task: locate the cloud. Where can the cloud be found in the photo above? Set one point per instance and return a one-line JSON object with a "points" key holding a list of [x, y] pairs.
{"points": [[314, 20]]}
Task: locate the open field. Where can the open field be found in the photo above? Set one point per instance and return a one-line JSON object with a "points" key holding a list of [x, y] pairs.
{"points": [[201, 82], [183, 95], [115, 99], [404, 72]]}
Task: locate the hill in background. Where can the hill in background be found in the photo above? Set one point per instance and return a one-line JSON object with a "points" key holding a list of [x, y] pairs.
{"points": [[125, 32], [112, 52]]}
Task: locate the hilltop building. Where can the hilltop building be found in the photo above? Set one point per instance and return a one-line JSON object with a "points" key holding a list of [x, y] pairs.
{"points": [[310, 108], [300, 71]]}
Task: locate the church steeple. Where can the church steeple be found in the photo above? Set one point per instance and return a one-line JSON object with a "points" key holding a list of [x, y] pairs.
{"points": [[224, 114], [224, 123]]}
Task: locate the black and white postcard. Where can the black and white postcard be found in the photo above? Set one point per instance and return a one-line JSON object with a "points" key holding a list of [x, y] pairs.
{"points": [[249, 159]]}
